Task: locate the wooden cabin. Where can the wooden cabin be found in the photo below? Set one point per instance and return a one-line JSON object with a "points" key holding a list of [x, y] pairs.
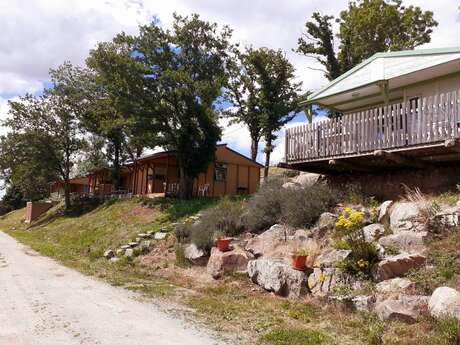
{"points": [[394, 110], [78, 185], [231, 173]]}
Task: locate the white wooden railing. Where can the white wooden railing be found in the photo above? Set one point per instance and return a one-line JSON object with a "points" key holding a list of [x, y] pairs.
{"points": [[396, 125]]}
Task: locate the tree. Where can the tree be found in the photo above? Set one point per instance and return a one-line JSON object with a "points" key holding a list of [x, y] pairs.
{"points": [[365, 28], [244, 93], [278, 94], [53, 120], [93, 155], [25, 167], [179, 75]]}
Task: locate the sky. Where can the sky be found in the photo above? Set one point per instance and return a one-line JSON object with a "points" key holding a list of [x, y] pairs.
{"points": [[40, 34]]}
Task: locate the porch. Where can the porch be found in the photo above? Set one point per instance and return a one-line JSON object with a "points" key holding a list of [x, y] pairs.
{"points": [[416, 133]]}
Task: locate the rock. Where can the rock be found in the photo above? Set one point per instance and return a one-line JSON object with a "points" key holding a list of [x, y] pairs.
{"points": [[145, 245], [120, 251], [331, 257], [142, 235], [444, 220], [291, 185], [306, 179], [406, 241], [326, 221], [397, 265], [160, 235], [323, 281], [133, 244], [277, 276], [380, 251], [129, 253], [269, 240], [195, 255], [384, 212], [234, 261], [301, 235], [402, 308], [373, 232], [108, 254], [114, 259], [402, 215], [363, 303], [394, 285], [126, 246], [444, 302]]}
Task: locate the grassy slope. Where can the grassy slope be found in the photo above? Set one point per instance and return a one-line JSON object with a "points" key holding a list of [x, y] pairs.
{"points": [[231, 304]]}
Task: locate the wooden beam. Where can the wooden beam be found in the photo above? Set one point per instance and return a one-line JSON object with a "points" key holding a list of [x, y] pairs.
{"points": [[452, 144], [343, 164], [400, 159]]}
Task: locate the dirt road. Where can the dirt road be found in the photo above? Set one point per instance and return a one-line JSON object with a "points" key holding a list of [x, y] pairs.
{"points": [[44, 303]]}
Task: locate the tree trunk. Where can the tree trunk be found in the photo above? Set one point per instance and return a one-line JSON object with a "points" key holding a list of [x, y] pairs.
{"points": [[186, 185], [254, 148], [268, 151], [116, 164]]}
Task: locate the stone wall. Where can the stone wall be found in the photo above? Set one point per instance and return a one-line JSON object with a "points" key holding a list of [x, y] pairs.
{"points": [[35, 209], [390, 184]]}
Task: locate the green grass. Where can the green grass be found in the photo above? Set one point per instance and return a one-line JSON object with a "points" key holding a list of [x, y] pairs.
{"points": [[293, 337]]}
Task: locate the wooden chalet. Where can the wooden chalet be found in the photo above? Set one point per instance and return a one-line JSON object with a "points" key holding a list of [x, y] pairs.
{"points": [[394, 110]]}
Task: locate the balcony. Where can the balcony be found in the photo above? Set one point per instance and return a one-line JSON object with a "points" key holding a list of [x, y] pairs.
{"points": [[413, 133]]}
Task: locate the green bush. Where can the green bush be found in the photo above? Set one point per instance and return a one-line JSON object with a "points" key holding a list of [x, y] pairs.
{"points": [[297, 207], [202, 237], [264, 207], [225, 219], [302, 207], [183, 232]]}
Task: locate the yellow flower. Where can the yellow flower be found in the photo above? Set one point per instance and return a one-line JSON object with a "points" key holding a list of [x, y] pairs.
{"points": [[363, 263]]}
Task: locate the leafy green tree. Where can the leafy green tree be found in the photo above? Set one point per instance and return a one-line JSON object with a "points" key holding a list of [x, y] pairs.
{"points": [[93, 155], [278, 94], [12, 200], [366, 27], [172, 85], [25, 167], [53, 120], [243, 92]]}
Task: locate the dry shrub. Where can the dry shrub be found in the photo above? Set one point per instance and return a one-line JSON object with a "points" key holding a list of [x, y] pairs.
{"points": [[296, 207], [427, 208]]}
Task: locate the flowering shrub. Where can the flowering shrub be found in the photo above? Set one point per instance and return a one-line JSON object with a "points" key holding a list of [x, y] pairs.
{"points": [[363, 254]]}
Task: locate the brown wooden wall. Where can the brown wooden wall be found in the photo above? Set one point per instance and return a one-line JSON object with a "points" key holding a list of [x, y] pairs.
{"points": [[243, 175]]}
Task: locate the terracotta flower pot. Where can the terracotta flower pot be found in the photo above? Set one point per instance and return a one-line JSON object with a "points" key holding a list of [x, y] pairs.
{"points": [[223, 244], [298, 262]]}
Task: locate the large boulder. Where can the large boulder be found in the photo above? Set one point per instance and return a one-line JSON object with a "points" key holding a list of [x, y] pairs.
{"points": [[277, 276], [397, 265], [445, 302], [234, 261], [402, 216], [331, 257], [384, 212], [405, 308], [394, 285], [268, 241], [373, 232], [306, 179], [405, 241], [326, 221], [195, 255], [291, 185], [322, 281]]}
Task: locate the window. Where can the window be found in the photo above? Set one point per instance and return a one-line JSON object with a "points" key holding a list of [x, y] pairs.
{"points": [[220, 172]]}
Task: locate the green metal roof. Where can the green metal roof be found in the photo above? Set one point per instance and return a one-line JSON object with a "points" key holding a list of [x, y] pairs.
{"points": [[403, 53]]}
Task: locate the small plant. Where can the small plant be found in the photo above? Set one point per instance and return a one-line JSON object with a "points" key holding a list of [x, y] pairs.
{"points": [[183, 232], [181, 260], [294, 337], [449, 329], [363, 254]]}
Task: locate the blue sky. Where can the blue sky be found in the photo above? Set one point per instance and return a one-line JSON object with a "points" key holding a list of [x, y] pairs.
{"points": [[41, 34]]}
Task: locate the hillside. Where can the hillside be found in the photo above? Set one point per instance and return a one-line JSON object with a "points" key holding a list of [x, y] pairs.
{"points": [[242, 311]]}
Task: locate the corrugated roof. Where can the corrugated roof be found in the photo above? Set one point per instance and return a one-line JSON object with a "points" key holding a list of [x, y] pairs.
{"points": [[384, 66]]}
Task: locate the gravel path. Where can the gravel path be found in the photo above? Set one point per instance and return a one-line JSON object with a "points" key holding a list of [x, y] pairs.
{"points": [[44, 303]]}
